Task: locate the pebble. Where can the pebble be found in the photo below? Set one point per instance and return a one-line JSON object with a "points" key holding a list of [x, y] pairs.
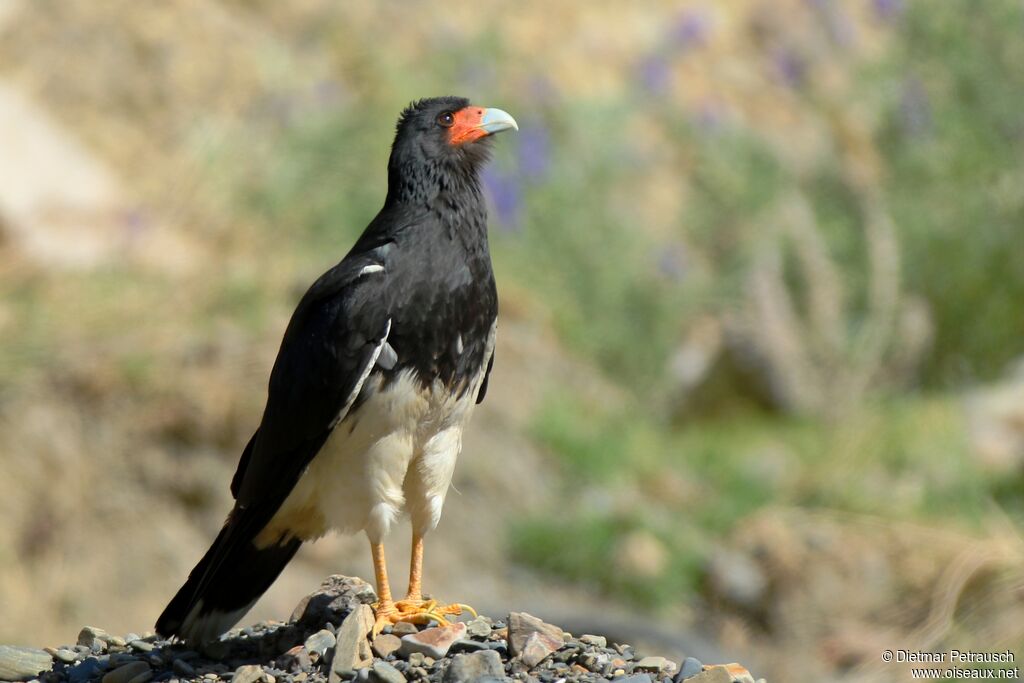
{"points": [[65, 655], [635, 678], [90, 635], [596, 641], [538, 647], [386, 673], [295, 660], [474, 667], [432, 642], [691, 666], [250, 673], [654, 664], [183, 668], [479, 627], [125, 672], [320, 642], [404, 628], [82, 672], [522, 625], [23, 663], [714, 674], [352, 651]]}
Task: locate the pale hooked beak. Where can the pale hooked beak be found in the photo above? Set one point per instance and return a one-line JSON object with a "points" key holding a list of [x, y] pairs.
{"points": [[496, 120]]}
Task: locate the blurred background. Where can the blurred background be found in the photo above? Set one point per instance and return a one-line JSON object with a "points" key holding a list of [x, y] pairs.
{"points": [[759, 390]]}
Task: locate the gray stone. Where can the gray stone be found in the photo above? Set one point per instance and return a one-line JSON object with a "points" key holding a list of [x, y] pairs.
{"points": [[337, 597], [474, 667], [466, 645], [385, 673], [216, 649], [404, 628], [141, 645], [352, 651], [83, 671], [538, 647], [635, 678], [295, 660], [250, 673], [125, 672], [432, 642], [143, 677], [23, 663], [183, 668], [65, 655], [714, 674], [89, 635], [320, 642], [479, 627], [385, 644], [691, 667], [654, 664], [522, 625], [596, 641]]}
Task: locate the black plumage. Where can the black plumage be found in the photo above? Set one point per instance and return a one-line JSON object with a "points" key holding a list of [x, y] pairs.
{"points": [[414, 297]]}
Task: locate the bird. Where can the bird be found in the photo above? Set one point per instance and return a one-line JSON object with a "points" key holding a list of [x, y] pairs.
{"points": [[379, 370]]}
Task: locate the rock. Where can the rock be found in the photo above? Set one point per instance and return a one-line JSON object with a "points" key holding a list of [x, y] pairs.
{"points": [[320, 642], [479, 627], [713, 674], [691, 667], [352, 651], [143, 677], [295, 660], [65, 655], [216, 649], [141, 645], [654, 664], [538, 647], [522, 625], [466, 645], [89, 635], [635, 678], [432, 642], [596, 641], [404, 628], [383, 672], [385, 644], [23, 663], [126, 672], [337, 597], [250, 673], [183, 668], [739, 673], [474, 667]]}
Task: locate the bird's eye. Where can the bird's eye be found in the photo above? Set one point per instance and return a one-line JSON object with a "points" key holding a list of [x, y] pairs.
{"points": [[446, 119]]}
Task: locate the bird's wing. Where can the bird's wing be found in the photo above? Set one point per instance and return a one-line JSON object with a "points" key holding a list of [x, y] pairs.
{"points": [[483, 385], [332, 343]]}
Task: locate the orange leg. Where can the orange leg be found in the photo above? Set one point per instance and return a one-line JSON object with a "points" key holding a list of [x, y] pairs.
{"points": [[413, 608]]}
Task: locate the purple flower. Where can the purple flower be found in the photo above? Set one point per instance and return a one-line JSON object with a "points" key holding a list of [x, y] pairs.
{"points": [[506, 196], [656, 74], [887, 10], [689, 30], [791, 68], [534, 150]]}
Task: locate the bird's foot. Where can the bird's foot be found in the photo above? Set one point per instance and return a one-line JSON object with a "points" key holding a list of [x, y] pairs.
{"points": [[416, 611]]}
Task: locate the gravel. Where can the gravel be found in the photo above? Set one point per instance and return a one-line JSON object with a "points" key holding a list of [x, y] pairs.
{"points": [[327, 640]]}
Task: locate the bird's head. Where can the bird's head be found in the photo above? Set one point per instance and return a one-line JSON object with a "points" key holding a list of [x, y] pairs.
{"points": [[440, 137]]}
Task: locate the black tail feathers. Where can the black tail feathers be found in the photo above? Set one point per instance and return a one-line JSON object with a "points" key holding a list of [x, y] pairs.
{"points": [[230, 578]]}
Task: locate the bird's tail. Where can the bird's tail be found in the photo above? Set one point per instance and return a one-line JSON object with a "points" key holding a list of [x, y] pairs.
{"points": [[230, 578]]}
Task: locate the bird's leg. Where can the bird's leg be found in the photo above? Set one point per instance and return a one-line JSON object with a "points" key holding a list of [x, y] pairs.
{"points": [[384, 607], [414, 608]]}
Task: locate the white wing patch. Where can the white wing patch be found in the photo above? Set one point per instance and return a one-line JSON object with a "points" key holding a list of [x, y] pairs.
{"points": [[370, 269], [366, 373]]}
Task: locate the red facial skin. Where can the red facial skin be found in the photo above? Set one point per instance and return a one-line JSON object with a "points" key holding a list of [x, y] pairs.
{"points": [[466, 127]]}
